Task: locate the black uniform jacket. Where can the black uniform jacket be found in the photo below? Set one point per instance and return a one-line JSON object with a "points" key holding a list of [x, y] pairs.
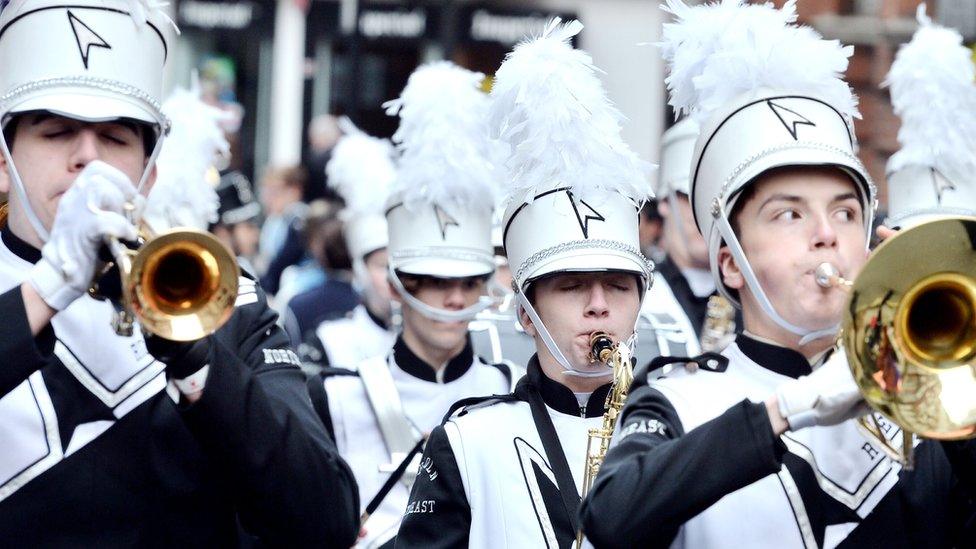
{"points": [[250, 454]]}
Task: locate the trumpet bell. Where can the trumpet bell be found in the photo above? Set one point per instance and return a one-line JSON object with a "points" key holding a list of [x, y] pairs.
{"points": [[183, 284], [910, 329]]}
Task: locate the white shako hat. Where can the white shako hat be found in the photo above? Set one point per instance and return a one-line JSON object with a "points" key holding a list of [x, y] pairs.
{"points": [[768, 94], [361, 170], [677, 148], [575, 188], [932, 91], [185, 194], [90, 60], [440, 207]]}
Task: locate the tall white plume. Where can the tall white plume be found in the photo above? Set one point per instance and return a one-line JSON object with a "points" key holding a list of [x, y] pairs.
{"points": [[719, 51], [445, 155], [361, 170], [141, 10], [932, 91], [182, 196], [549, 106]]}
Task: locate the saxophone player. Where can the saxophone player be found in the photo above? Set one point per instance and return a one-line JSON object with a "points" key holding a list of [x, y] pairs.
{"points": [[123, 440], [760, 447], [507, 471]]}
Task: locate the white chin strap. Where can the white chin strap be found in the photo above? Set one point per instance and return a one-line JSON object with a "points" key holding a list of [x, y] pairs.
{"points": [[42, 233], [806, 335], [437, 314], [540, 328]]}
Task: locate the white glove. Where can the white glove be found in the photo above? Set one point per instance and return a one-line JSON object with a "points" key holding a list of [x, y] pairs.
{"points": [[91, 209], [827, 396]]}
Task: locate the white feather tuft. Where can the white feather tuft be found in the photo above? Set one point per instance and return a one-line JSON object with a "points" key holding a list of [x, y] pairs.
{"points": [[445, 155], [182, 196], [142, 9], [932, 91], [550, 107], [719, 51], [361, 170]]}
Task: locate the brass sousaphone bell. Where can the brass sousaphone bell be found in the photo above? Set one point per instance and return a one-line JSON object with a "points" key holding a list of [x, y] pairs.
{"points": [[180, 284], [909, 332]]}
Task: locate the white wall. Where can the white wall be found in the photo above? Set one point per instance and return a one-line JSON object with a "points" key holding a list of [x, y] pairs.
{"points": [[287, 85]]}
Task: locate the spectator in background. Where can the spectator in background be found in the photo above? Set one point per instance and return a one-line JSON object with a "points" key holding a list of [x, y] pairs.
{"points": [[323, 134], [324, 284], [237, 226], [281, 235], [650, 228]]}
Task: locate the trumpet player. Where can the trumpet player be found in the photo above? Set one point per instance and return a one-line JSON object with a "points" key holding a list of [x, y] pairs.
{"points": [[112, 440], [507, 470], [759, 447]]}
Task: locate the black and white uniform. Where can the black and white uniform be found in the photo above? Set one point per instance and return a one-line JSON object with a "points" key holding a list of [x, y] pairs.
{"points": [[424, 398], [347, 341], [96, 453], [488, 480], [696, 464]]}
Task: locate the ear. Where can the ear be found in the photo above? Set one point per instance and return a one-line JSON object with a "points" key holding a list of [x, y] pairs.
{"points": [[5, 180], [731, 273], [151, 180], [664, 207], [394, 293], [526, 322]]}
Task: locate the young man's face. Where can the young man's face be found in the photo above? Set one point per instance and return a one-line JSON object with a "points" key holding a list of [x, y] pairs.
{"points": [[452, 294], [50, 151], [379, 287], [574, 305], [797, 219], [277, 195], [682, 241]]}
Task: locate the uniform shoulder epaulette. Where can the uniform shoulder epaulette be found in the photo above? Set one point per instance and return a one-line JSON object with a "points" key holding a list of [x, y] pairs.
{"points": [[709, 362], [466, 405]]}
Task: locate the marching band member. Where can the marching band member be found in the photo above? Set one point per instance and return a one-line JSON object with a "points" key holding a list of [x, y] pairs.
{"points": [[759, 445], [361, 172], [506, 471], [112, 440], [440, 257], [683, 284]]}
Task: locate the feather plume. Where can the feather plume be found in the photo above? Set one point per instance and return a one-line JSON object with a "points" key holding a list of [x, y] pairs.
{"points": [[142, 9], [445, 156], [182, 197], [932, 91], [549, 106], [719, 51], [361, 170]]}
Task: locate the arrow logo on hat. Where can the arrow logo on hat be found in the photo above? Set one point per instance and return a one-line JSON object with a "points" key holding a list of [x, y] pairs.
{"points": [[85, 37], [588, 214], [790, 118], [445, 220]]}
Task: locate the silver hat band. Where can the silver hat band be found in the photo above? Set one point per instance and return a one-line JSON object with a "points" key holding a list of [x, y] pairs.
{"points": [[102, 84], [574, 245], [802, 145]]}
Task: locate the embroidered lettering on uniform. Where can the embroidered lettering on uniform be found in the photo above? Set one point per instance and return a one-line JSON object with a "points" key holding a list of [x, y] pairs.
{"points": [[885, 425], [651, 427], [281, 356], [427, 466], [871, 451], [420, 507]]}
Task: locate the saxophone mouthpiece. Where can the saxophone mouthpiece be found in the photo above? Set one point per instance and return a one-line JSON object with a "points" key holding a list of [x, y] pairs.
{"points": [[601, 345], [828, 276]]}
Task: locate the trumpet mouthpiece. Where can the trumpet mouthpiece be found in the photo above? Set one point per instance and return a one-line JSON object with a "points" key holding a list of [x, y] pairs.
{"points": [[828, 276]]}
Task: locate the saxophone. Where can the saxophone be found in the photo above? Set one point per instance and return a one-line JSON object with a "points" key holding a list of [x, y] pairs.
{"points": [[617, 356], [718, 329]]}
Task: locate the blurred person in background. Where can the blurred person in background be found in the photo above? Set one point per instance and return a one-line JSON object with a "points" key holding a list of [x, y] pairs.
{"points": [[324, 282], [651, 226], [238, 215], [323, 133], [280, 191]]}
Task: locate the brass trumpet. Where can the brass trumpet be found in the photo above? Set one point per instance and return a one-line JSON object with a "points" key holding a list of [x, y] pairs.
{"points": [[909, 331], [180, 284]]}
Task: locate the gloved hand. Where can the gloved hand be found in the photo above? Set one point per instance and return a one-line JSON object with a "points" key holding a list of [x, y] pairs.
{"points": [[182, 358], [90, 210], [827, 396]]}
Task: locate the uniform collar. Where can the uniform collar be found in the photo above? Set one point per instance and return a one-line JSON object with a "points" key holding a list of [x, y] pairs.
{"points": [[412, 364], [20, 248], [560, 398], [781, 360]]}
